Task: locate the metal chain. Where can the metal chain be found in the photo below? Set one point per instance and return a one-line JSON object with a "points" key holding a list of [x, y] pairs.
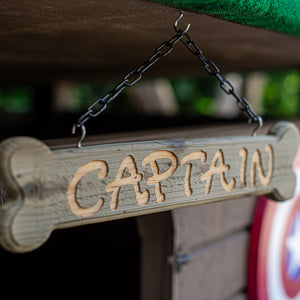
{"points": [[212, 69], [130, 79], [100, 105]]}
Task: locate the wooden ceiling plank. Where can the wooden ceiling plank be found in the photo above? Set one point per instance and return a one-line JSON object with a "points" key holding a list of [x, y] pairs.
{"points": [[50, 40]]}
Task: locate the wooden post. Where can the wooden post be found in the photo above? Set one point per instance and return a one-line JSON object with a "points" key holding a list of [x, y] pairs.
{"points": [[156, 232]]}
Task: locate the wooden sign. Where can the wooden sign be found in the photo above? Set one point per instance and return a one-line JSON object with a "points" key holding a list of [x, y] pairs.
{"points": [[76, 186]]}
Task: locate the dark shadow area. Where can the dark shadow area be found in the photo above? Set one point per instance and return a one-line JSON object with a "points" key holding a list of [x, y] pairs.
{"points": [[100, 260]]}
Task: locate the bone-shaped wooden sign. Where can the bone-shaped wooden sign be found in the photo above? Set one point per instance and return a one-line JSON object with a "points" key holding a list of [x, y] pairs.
{"points": [[55, 189]]}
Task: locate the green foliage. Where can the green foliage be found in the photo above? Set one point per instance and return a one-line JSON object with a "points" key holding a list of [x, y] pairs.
{"points": [[85, 94], [282, 95], [195, 96], [16, 99]]}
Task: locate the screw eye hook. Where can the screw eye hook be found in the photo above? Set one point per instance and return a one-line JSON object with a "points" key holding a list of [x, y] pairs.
{"points": [[258, 126], [176, 24], [83, 133]]}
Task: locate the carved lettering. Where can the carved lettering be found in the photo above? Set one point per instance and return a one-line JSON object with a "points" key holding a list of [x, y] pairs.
{"points": [[257, 164], [220, 169], [244, 154], [74, 205], [128, 174], [134, 179], [157, 177], [187, 179]]}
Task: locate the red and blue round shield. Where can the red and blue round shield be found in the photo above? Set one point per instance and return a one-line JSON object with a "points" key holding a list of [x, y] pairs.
{"points": [[274, 252]]}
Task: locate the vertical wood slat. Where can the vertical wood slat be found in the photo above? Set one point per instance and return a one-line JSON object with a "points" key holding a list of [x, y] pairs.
{"points": [[218, 232], [217, 273], [200, 225], [156, 235]]}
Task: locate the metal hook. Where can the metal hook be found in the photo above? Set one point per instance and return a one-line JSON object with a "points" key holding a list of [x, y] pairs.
{"points": [[260, 123], [176, 23], [83, 133]]}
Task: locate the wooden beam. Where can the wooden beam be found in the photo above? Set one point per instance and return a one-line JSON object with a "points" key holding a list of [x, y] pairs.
{"points": [[98, 40], [184, 132]]}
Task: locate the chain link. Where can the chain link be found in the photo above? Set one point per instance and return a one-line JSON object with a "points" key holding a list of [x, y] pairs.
{"points": [[131, 78], [213, 70]]}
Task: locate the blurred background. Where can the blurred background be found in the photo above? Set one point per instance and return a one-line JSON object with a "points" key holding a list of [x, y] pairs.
{"points": [[48, 110]]}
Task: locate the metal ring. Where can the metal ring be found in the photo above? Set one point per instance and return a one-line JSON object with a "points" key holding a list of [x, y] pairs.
{"points": [[176, 23]]}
